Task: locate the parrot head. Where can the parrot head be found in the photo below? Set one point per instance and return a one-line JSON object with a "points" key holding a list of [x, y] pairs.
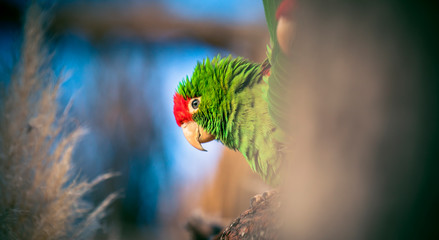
{"points": [[186, 110], [198, 103], [205, 106]]}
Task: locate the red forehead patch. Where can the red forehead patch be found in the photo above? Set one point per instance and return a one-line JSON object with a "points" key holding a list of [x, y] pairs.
{"points": [[181, 109]]}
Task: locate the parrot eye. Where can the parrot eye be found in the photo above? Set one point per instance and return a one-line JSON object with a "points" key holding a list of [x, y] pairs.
{"points": [[194, 104]]}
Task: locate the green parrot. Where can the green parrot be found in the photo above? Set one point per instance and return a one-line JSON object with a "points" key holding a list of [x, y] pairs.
{"points": [[237, 101]]}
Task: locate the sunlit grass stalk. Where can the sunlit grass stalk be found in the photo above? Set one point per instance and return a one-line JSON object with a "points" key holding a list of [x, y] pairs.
{"points": [[40, 198]]}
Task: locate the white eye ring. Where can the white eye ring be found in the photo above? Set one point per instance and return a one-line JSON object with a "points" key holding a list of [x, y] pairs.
{"points": [[194, 105]]}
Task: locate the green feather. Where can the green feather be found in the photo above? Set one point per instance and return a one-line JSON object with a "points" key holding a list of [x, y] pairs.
{"points": [[278, 81], [233, 109]]}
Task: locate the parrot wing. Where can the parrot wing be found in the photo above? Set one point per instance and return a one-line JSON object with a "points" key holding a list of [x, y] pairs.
{"points": [[277, 80]]}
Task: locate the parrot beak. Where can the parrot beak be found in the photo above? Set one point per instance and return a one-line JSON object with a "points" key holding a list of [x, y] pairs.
{"points": [[196, 135]]}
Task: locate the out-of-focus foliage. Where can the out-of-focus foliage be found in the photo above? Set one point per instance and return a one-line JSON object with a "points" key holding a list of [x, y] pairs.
{"points": [[40, 197]]}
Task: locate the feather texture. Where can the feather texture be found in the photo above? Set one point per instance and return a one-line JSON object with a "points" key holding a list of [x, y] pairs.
{"points": [[278, 81], [233, 109]]}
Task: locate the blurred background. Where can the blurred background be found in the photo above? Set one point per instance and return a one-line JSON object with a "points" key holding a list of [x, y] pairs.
{"points": [[124, 60], [364, 112]]}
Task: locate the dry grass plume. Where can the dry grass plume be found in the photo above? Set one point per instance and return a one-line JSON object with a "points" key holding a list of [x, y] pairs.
{"points": [[40, 198]]}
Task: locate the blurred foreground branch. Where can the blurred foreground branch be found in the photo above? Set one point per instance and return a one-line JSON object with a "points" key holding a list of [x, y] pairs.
{"points": [[154, 23]]}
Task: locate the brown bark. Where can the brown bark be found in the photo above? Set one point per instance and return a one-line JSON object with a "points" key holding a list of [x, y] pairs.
{"points": [[260, 221]]}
